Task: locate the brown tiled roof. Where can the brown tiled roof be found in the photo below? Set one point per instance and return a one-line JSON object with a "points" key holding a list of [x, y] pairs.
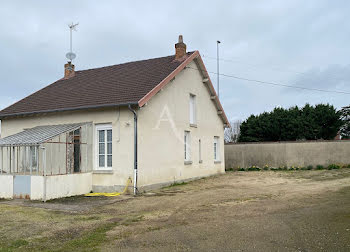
{"points": [[114, 85]]}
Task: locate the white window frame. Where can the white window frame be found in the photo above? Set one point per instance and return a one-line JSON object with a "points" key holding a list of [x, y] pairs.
{"points": [[216, 146], [193, 112], [187, 146], [103, 127]]}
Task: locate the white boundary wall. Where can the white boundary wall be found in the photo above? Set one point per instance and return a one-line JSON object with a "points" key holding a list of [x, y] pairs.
{"points": [[56, 186], [6, 186], [68, 185]]}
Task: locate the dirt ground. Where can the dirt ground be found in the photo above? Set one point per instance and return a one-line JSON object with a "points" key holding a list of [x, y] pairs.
{"points": [[238, 211]]}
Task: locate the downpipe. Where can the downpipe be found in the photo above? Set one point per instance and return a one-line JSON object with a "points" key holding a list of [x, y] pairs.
{"points": [[135, 148]]}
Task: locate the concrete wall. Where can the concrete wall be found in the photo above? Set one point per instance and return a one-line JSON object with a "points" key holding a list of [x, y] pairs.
{"points": [[6, 186], [161, 132], [287, 153], [68, 185], [60, 186]]}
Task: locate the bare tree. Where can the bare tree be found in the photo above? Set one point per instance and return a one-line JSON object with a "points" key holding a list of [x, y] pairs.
{"points": [[232, 133]]}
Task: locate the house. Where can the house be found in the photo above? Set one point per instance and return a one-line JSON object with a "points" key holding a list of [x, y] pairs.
{"points": [[154, 121]]}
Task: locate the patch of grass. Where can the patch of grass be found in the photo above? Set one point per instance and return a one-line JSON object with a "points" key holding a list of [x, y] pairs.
{"points": [[90, 241], [177, 184], [18, 243]]}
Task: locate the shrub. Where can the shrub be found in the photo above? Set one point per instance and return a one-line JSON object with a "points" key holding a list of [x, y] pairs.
{"points": [[333, 166], [285, 168], [309, 167], [241, 169], [230, 169], [319, 167], [303, 168], [266, 167], [348, 166]]}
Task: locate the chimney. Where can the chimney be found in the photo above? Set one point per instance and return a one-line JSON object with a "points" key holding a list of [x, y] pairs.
{"points": [[180, 48], [68, 70]]}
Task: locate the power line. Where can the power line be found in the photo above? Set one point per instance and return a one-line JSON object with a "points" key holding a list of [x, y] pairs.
{"points": [[274, 83], [273, 68]]}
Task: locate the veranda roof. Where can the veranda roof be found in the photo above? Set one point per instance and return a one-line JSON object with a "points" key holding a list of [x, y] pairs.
{"points": [[38, 135]]}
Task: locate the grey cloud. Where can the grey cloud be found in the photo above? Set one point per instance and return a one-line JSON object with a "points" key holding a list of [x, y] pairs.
{"points": [[272, 40]]}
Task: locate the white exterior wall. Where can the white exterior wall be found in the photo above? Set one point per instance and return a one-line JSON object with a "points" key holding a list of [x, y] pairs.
{"points": [[162, 123], [6, 186]]}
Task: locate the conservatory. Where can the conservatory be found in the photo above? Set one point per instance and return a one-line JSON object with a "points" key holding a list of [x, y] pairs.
{"points": [[47, 162]]}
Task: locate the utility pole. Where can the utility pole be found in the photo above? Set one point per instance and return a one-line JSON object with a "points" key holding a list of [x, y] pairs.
{"points": [[218, 73]]}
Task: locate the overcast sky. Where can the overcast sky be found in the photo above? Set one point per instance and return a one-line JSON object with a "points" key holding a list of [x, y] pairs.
{"points": [[300, 43]]}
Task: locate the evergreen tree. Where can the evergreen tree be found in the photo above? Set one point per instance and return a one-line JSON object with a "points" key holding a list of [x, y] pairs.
{"points": [[308, 123]]}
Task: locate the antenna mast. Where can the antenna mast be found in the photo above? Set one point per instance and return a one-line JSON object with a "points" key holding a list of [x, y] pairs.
{"points": [[70, 55]]}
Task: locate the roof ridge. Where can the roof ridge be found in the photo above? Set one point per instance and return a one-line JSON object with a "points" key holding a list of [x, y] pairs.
{"points": [[131, 62]]}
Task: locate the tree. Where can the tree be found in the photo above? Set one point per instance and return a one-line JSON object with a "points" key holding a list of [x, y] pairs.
{"points": [[345, 116], [232, 133], [307, 123]]}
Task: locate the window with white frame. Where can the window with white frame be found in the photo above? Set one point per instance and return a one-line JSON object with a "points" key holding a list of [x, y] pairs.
{"points": [[187, 145], [104, 146], [192, 109], [216, 149]]}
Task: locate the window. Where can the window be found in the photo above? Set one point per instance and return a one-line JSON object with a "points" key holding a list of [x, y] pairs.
{"points": [[200, 151], [33, 157], [192, 109], [187, 146], [104, 146], [216, 149]]}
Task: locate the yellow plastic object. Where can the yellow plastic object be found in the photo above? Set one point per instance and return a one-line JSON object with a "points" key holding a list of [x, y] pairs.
{"points": [[111, 194]]}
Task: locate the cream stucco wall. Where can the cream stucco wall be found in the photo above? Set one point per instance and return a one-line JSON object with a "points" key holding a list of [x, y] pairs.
{"points": [[162, 123]]}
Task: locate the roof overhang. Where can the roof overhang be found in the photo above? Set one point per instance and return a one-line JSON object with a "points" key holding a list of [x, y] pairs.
{"points": [[3, 116], [206, 80]]}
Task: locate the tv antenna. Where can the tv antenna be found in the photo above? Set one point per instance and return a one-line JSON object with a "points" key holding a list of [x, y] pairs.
{"points": [[70, 55]]}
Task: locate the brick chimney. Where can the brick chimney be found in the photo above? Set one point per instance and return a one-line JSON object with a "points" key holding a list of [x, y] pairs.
{"points": [[180, 48], [68, 70]]}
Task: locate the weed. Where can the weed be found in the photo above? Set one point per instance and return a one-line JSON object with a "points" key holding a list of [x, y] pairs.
{"points": [[177, 184], [333, 166], [319, 167]]}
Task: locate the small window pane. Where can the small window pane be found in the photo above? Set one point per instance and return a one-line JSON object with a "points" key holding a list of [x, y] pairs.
{"points": [[101, 161], [101, 148], [109, 135], [109, 160], [109, 148], [101, 136]]}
